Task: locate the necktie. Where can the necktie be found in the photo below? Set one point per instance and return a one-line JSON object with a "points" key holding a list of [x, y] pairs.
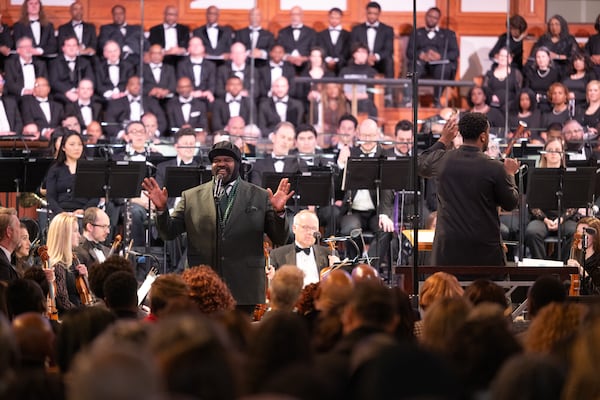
{"points": [[223, 202], [304, 250]]}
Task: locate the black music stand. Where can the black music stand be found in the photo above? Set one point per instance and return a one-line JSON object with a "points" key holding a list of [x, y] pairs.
{"points": [[270, 180], [35, 171], [560, 188], [108, 179], [12, 176], [178, 179]]}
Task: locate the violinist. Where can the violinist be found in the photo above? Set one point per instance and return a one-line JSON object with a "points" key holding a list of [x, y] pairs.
{"points": [[545, 222], [310, 257], [96, 227], [63, 236], [587, 235]]}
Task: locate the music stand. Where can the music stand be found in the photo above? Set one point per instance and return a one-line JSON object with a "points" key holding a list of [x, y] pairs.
{"points": [[560, 188], [313, 188], [179, 179], [12, 175], [99, 178], [36, 170], [270, 180]]}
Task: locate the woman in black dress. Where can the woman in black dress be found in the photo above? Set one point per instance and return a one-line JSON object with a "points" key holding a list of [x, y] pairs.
{"points": [[540, 75]]}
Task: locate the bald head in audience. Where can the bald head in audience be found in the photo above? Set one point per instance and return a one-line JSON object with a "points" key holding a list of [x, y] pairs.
{"points": [[34, 336]]}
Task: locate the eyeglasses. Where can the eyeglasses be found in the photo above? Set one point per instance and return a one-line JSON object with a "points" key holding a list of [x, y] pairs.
{"points": [[307, 228], [101, 226]]}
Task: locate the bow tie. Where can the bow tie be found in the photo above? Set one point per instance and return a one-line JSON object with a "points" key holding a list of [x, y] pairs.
{"points": [[371, 26], [42, 101], [233, 101], [214, 26], [185, 101], [197, 64], [170, 27], [335, 29], [157, 67], [95, 245], [26, 64], [76, 24], [33, 21], [280, 101], [70, 61], [255, 29], [84, 105], [113, 65], [134, 101], [276, 66], [138, 153], [300, 249]]}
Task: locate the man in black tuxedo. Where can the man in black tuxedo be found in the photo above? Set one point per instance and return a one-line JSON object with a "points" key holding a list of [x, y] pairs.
{"points": [[217, 39], [96, 227], [34, 25], [10, 237], [276, 68], [237, 65], [335, 41], [436, 49], [258, 41], [297, 39], [159, 77], [171, 36], [40, 109], [200, 71], [22, 69], [86, 109], [67, 70], [184, 110], [361, 207], [127, 36], [278, 108], [6, 44], [379, 39], [83, 31], [279, 160], [131, 107], [233, 105], [113, 72], [307, 255], [10, 117]]}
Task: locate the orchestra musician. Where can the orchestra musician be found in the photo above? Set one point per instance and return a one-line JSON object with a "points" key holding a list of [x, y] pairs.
{"points": [[96, 227], [243, 213], [588, 230], [470, 188], [63, 236]]}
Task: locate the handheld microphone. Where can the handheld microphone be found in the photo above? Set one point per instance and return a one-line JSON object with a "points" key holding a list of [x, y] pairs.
{"points": [[218, 188]]}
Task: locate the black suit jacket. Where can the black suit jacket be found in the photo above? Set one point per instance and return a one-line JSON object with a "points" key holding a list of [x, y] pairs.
{"points": [[130, 39], [167, 78], [267, 164], [13, 115], [103, 82], [74, 109], [224, 40], [384, 46], [88, 36], [197, 119], [208, 73], [8, 273], [341, 49], [32, 113], [47, 39], [287, 255], [62, 79], [86, 254], [157, 35], [306, 40], [221, 114], [268, 117], [265, 41], [264, 78], [225, 71], [13, 72], [118, 112], [443, 42]]}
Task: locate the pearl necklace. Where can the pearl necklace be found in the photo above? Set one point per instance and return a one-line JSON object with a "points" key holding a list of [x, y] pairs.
{"points": [[543, 74]]}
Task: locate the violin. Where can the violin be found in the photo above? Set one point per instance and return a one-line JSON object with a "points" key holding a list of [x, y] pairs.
{"points": [[574, 288], [115, 245], [51, 310], [83, 287], [261, 309], [327, 270]]}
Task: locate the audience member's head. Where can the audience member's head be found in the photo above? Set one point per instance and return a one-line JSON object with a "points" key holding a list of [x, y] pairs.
{"points": [[99, 272], [335, 289], [437, 286], [35, 338], [545, 290], [208, 290], [165, 288], [285, 287], [24, 296]]}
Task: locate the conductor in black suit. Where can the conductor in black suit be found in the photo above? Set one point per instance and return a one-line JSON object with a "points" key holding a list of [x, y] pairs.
{"points": [[217, 38], [258, 41], [67, 70], [126, 35], [379, 39], [185, 110], [10, 237], [171, 36], [436, 49], [335, 41], [83, 31], [297, 39], [278, 108], [22, 69]]}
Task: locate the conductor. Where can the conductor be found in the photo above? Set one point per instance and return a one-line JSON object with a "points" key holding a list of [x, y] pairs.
{"points": [[471, 187], [236, 211]]}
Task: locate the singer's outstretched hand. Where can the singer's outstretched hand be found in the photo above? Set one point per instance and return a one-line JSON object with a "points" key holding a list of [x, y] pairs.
{"points": [[157, 195], [281, 196]]}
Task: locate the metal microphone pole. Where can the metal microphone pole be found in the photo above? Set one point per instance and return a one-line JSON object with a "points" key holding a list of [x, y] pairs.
{"points": [[415, 102]]}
